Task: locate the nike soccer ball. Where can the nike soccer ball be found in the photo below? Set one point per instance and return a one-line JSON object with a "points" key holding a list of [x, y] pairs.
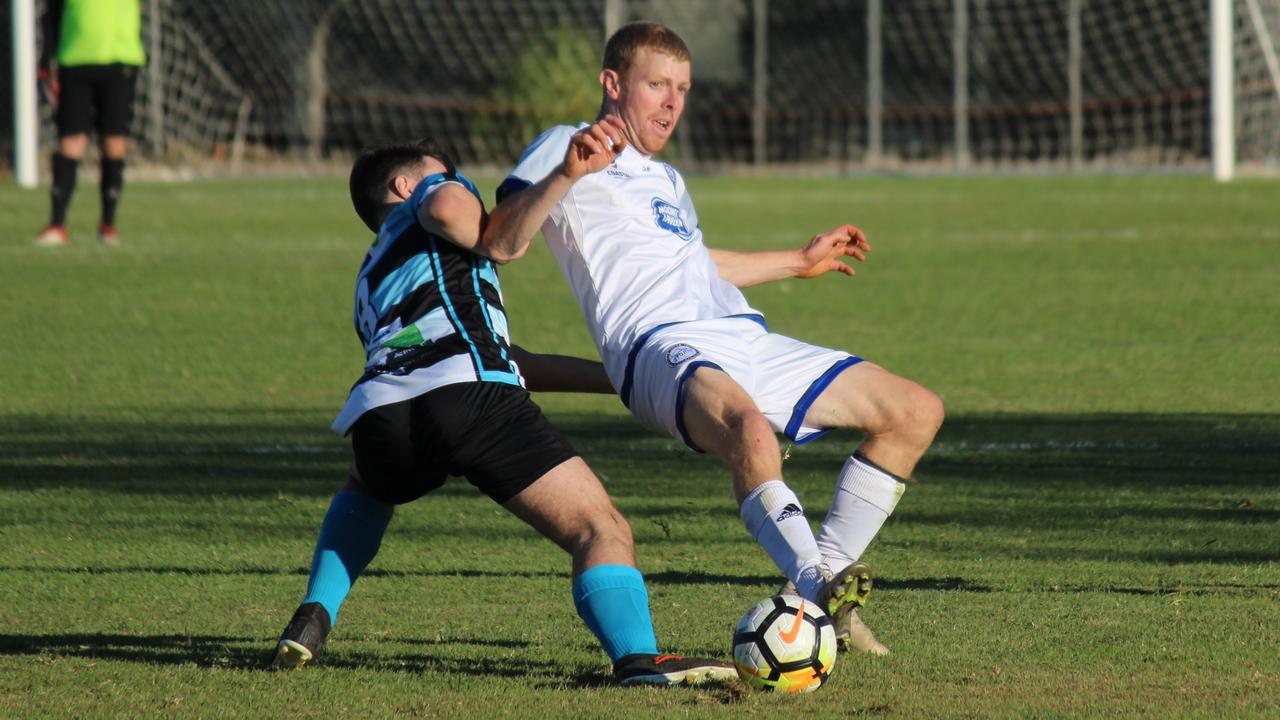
{"points": [[785, 644]]}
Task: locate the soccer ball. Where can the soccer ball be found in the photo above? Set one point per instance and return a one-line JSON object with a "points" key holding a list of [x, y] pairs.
{"points": [[785, 643]]}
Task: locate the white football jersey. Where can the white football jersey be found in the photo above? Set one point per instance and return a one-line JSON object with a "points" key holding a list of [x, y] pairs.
{"points": [[627, 240]]}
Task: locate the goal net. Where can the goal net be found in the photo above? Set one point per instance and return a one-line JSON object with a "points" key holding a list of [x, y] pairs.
{"points": [[824, 85]]}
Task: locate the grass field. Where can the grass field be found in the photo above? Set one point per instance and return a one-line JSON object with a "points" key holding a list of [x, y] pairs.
{"points": [[1095, 534]]}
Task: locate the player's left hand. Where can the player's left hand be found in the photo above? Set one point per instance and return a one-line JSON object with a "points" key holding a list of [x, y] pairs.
{"points": [[825, 251], [47, 78]]}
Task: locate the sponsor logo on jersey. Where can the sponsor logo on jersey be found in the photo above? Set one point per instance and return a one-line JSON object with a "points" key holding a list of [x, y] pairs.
{"points": [[680, 353], [790, 511], [670, 218], [615, 172]]}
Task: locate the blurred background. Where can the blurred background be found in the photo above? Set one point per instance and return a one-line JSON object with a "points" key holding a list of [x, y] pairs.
{"points": [[828, 86]]}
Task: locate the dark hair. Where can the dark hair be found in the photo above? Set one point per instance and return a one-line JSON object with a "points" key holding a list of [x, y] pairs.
{"points": [[374, 169], [629, 40]]}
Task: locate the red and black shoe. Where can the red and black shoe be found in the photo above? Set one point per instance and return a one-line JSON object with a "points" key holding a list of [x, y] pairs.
{"points": [[670, 670]]}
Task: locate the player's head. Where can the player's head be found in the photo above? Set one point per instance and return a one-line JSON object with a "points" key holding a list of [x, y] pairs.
{"points": [[647, 71], [384, 177]]}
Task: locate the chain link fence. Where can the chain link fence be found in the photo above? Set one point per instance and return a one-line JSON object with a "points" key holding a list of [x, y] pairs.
{"points": [[823, 85]]}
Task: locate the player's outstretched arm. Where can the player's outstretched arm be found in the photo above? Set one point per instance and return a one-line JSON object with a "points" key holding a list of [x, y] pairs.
{"points": [[823, 254], [561, 373], [453, 213], [516, 219]]}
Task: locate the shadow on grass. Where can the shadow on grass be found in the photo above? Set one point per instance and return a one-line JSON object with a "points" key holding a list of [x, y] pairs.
{"points": [[202, 650], [243, 653], [254, 453], [1137, 474]]}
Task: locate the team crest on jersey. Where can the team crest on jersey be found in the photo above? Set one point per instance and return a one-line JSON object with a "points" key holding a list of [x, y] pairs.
{"points": [[679, 354], [671, 175], [670, 218]]}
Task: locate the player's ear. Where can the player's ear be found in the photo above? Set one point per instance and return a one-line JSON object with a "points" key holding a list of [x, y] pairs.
{"points": [[611, 82], [402, 186]]}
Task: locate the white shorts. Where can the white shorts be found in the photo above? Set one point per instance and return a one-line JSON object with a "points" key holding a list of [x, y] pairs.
{"points": [[783, 375]]}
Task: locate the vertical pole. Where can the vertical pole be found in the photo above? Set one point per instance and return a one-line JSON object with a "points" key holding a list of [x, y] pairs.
{"points": [[1075, 81], [875, 84], [960, 60], [155, 82], [1222, 89], [317, 86], [614, 17], [760, 82], [26, 136]]}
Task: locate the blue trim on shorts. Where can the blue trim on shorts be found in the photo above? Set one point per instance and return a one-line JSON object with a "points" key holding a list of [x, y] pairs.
{"points": [[628, 375], [810, 395], [684, 377]]}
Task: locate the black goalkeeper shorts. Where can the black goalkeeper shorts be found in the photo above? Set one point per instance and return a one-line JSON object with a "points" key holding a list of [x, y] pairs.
{"points": [[490, 433], [95, 96]]}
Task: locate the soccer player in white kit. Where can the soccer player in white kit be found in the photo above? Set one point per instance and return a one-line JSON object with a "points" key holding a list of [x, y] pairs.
{"points": [[687, 353]]}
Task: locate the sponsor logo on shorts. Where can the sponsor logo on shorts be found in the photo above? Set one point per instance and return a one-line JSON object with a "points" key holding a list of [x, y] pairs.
{"points": [[679, 354], [790, 511], [670, 218]]}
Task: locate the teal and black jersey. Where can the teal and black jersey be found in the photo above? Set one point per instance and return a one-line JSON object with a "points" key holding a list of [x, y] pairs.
{"points": [[428, 313]]}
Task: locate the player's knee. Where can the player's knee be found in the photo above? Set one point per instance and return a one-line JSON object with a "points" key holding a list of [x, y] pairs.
{"points": [[607, 527], [751, 429], [917, 416]]}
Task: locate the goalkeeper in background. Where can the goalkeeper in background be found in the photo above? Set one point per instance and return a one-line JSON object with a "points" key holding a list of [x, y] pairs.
{"points": [[91, 54]]}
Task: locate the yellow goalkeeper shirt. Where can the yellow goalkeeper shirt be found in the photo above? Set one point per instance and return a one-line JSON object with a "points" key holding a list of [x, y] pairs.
{"points": [[100, 32]]}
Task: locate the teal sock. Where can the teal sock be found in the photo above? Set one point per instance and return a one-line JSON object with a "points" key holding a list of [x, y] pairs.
{"points": [[349, 538], [613, 602]]}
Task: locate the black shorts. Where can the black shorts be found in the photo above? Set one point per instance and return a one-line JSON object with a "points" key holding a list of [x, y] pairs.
{"points": [[95, 96], [491, 433]]}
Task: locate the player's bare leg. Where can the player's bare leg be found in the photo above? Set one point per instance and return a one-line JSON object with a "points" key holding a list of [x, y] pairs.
{"points": [[721, 418], [900, 419], [899, 416], [570, 507]]}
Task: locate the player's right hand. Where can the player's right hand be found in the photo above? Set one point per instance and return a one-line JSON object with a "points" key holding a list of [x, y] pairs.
{"points": [[595, 147]]}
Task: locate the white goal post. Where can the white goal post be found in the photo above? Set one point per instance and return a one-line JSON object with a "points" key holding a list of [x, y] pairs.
{"points": [[25, 116]]}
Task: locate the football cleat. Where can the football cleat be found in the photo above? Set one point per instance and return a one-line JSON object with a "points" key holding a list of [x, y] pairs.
{"points": [[107, 236], [649, 669], [303, 637], [850, 586], [52, 236], [853, 635]]}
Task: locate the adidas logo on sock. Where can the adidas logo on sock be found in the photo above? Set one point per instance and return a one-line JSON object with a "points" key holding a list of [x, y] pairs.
{"points": [[791, 510]]}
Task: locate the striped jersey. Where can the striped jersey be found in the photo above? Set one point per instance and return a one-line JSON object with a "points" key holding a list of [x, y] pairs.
{"points": [[428, 313]]}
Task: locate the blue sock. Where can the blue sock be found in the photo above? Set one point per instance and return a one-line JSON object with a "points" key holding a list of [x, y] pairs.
{"points": [[349, 538], [613, 602]]}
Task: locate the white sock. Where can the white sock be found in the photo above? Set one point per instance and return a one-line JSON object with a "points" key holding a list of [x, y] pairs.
{"points": [[774, 517], [865, 496]]}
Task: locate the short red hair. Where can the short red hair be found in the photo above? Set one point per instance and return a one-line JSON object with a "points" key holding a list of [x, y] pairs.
{"points": [[629, 40]]}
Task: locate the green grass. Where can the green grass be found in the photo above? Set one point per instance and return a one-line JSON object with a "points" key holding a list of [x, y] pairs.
{"points": [[1096, 532]]}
